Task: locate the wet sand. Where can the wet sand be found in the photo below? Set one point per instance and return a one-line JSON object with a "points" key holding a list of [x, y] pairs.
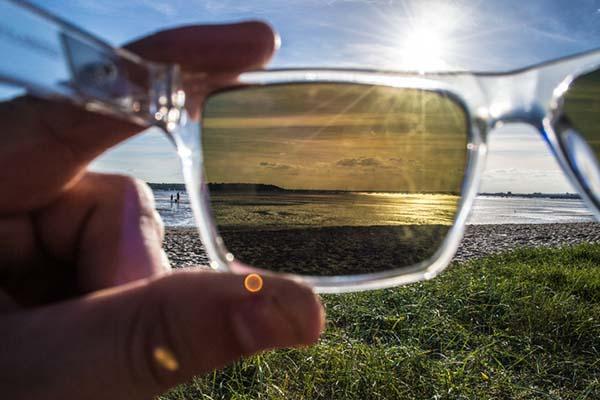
{"points": [[184, 248], [330, 251]]}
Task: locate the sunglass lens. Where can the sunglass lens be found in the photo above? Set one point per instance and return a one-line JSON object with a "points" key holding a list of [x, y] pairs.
{"points": [[333, 179], [581, 136]]}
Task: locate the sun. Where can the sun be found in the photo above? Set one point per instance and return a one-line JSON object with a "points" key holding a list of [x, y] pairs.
{"points": [[424, 37], [423, 49]]}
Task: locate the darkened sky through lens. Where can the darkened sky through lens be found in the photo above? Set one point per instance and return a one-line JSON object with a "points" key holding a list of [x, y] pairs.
{"points": [[336, 137], [413, 35]]}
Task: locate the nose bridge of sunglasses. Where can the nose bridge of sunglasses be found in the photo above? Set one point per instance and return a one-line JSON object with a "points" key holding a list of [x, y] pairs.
{"points": [[515, 99]]}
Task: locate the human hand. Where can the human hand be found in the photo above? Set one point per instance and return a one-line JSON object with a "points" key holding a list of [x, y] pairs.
{"points": [[86, 296]]}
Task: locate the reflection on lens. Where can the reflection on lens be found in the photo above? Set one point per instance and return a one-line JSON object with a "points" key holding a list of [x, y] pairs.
{"points": [[582, 108], [333, 179], [581, 111]]}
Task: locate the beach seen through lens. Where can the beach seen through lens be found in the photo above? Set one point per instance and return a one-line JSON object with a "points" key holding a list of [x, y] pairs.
{"points": [[498, 221], [333, 179], [333, 234]]}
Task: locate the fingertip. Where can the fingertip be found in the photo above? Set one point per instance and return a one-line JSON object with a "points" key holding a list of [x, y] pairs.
{"points": [[211, 48], [266, 39], [315, 316], [321, 319], [293, 291], [306, 309], [217, 319]]}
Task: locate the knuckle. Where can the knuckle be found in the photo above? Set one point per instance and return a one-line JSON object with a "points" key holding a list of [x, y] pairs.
{"points": [[136, 195], [137, 192], [159, 224], [136, 199]]}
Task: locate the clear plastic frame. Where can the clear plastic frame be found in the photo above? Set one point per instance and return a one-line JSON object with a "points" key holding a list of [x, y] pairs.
{"points": [[532, 95], [56, 60]]}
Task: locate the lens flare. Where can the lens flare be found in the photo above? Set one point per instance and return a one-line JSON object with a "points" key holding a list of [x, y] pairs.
{"points": [[253, 283], [165, 359]]}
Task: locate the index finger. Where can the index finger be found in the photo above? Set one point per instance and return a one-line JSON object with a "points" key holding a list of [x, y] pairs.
{"points": [[210, 48], [50, 143]]}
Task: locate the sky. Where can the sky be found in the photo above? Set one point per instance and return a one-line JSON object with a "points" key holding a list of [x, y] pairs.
{"points": [[380, 139], [389, 35]]}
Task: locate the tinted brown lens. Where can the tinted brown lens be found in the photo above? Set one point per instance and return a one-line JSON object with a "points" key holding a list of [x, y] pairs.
{"points": [[582, 108], [333, 179], [579, 131]]}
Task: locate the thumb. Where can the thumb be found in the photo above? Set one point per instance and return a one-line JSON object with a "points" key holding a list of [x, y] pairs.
{"points": [[135, 342]]}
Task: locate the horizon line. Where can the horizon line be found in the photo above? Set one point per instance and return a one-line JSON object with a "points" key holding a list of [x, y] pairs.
{"points": [[382, 191]]}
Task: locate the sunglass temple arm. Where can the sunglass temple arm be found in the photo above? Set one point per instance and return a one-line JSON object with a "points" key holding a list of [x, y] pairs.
{"points": [[53, 59]]}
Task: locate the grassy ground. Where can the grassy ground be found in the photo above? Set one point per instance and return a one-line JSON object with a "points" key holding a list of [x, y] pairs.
{"points": [[523, 325]]}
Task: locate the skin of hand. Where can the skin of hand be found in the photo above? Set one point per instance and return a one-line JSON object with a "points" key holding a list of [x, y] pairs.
{"points": [[86, 293]]}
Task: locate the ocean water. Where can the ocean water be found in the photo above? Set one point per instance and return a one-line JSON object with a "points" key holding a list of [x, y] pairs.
{"points": [[172, 213], [487, 209], [521, 210]]}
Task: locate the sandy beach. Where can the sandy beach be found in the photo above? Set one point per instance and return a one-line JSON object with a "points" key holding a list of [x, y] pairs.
{"points": [[184, 248]]}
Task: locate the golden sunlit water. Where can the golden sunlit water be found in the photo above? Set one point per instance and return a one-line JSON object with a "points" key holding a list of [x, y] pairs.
{"points": [[298, 210]]}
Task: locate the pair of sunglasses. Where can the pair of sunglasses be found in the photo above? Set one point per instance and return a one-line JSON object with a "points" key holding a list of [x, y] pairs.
{"points": [[346, 179]]}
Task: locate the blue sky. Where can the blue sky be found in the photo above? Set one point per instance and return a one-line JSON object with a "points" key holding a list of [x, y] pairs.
{"points": [[469, 35]]}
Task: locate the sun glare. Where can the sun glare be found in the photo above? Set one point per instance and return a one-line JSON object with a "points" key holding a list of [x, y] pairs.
{"points": [[422, 36], [423, 50]]}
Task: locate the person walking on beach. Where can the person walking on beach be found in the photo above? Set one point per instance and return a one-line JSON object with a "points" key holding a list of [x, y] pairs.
{"points": [[177, 197], [171, 198], [89, 306]]}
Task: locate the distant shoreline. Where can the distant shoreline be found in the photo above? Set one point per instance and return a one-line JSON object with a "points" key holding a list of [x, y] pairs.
{"points": [[253, 188], [537, 195], [267, 188]]}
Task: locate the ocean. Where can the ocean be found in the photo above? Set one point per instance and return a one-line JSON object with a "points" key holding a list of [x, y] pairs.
{"points": [[487, 209]]}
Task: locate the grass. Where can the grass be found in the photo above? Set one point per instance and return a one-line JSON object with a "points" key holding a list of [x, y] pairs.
{"points": [[522, 325]]}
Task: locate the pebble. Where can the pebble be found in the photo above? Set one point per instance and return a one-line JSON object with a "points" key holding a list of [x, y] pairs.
{"points": [[184, 248]]}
